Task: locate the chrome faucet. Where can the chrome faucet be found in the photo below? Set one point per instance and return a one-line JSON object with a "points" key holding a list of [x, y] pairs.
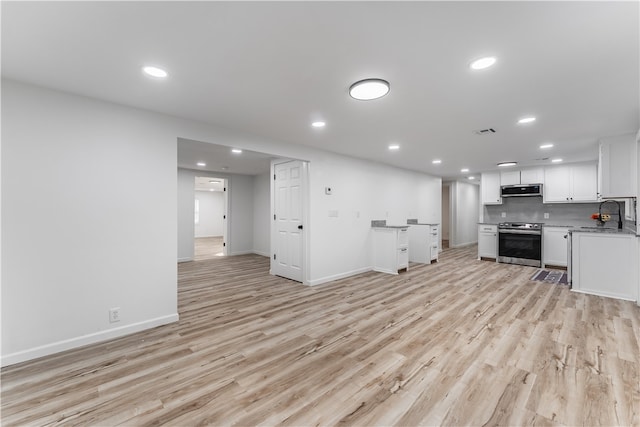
{"points": [[619, 212]]}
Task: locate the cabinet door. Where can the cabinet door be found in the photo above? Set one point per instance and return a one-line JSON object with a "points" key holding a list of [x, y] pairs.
{"points": [[490, 188], [557, 186], [584, 183], [510, 178], [554, 243], [487, 241], [618, 168], [532, 176]]}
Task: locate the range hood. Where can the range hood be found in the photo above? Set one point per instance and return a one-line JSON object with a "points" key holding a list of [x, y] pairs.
{"points": [[528, 190]]}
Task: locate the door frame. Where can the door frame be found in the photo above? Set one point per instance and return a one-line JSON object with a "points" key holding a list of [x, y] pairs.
{"points": [[304, 186]]}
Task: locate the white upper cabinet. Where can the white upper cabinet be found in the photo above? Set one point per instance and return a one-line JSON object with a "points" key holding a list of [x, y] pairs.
{"points": [[510, 178], [618, 167], [532, 176], [490, 188], [571, 183]]}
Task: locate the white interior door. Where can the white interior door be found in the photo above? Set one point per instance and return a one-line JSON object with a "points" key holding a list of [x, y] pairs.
{"points": [[288, 256]]}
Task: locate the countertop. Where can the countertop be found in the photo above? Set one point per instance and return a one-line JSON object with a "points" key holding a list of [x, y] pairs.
{"points": [[601, 230], [382, 223]]}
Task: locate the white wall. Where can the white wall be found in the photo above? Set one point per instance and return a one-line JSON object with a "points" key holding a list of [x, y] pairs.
{"points": [[261, 214], [465, 210], [211, 205], [100, 249], [362, 191]]}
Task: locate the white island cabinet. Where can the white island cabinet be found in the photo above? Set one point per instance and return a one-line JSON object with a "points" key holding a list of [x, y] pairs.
{"points": [[605, 264], [390, 249], [423, 242]]}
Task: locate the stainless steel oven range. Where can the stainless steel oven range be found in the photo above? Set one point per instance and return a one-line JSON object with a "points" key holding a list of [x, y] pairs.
{"points": [[520, 243]]}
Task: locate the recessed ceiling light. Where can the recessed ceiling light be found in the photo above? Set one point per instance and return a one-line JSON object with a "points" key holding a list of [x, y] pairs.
{"points": [[156, 72], [505, 164], [545, 146], [368, 89], [525, 120], [436, 161], [472, 177], [236, 150], [394, 147], [318, 124], [464, 170], [556, 160], [482, 63], [201, 164]]}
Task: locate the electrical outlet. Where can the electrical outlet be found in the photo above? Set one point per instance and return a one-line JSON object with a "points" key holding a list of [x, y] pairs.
{"points": [[114, 314], [546, 215]]}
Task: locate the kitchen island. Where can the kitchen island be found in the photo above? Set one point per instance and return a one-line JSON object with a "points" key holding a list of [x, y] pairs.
{"points": [[604, 262]]}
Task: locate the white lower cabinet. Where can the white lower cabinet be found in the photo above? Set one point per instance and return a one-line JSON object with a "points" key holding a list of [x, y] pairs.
{"points": [[390, 249], [487, 241], [423, 243], [554, 246], [605, 264]]}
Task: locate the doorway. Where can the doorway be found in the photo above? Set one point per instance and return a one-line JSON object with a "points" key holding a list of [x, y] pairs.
{"points": [[446, 215], [210, 217]]}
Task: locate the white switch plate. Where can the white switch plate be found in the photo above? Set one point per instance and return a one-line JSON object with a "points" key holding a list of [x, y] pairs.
{"points": [[546, 215], [503, 214]]}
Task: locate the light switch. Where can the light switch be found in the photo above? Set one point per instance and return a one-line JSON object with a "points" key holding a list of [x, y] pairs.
{"points": [[503, 214], [546, 215]]}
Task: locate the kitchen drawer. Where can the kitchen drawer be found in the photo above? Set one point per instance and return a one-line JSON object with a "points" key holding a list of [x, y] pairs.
{"points": [[434, 252], [403, 258], [490, 228], [403, 238]]}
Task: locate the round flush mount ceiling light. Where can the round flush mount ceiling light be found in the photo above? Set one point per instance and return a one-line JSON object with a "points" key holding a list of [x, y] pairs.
{"points": [[394, 147], [368, 89], [156, 72], [505, 164], [482, 63], [436, 161], [318, 124], [526, 120], [546, 146]]}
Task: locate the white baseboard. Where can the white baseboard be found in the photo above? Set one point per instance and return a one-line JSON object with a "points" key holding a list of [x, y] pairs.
{"points": [[262, 253], [57, 347], [185, 259], [339, 276]]}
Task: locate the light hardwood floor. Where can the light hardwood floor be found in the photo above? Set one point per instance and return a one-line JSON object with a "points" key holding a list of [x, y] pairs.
{"points": [[207, 248], [459, 342]]}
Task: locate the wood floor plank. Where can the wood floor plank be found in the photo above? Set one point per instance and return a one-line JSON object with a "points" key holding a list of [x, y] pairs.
{"points": [[458, 342]]}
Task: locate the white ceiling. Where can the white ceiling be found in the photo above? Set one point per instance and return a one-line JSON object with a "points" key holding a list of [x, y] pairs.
{"points": [[270, 68]]}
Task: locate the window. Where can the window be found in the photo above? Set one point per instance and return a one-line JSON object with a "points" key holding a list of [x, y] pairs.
{"points": [[196, 211]]}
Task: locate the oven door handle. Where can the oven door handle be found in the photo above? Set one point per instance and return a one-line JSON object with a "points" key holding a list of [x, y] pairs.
{"points": [[533, 232]]}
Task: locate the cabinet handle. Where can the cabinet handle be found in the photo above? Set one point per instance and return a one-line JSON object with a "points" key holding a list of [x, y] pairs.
{"points": [[403, 250]]}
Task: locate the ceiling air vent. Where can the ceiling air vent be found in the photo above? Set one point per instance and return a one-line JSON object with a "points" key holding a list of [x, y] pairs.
{"points": [[484, 131]]}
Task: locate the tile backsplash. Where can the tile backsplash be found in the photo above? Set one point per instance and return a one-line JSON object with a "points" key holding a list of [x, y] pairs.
{"points": [[531, 209]]}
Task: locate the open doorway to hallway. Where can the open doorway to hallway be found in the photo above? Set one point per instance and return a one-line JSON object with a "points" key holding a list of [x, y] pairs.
{"points": [[210, 217]]}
